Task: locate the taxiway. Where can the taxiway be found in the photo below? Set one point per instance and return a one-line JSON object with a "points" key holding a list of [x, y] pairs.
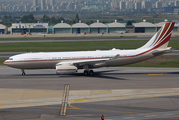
{"points": [[125, 93]]}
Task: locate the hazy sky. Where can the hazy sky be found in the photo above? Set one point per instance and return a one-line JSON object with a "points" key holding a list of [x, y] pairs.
{"points": [[32, 0], [55, 0]]}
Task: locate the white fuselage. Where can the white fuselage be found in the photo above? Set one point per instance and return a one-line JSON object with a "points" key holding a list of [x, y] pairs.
{"points": [[48, 60]]}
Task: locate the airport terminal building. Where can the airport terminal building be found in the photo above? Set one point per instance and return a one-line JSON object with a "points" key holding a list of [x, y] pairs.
{"points": [[144, 27], [29, 28], [80, 28], [62, 28], [83, 28], [3, 29], [115, 27]]}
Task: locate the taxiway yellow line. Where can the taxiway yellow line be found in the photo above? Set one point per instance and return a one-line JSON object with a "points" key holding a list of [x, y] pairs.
{"points": [[1, 107], [156, 74], [76, 101], [113, 110], [152, 95]]}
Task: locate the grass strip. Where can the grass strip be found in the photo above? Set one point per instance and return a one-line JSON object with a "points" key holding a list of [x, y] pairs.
{"points": [[69, 46], [2, 59], [159, 61], [76, 45]]}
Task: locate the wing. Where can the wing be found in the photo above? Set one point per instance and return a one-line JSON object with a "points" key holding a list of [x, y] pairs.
{"points": [[87, 62], [72, 67]]}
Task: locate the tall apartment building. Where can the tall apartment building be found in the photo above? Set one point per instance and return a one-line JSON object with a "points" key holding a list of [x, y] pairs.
{"points": [[158, 4], [70, 6], [146, 4], [46, 2], [35, 3], [129, 5], [114, 4], [52, 2], [177, 3], [137, 5], [42, 4], [0, 8], [171, 3], [122, 5]]}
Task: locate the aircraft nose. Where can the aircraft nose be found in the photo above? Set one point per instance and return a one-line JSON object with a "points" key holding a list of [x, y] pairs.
{"points": [[6, 63]]}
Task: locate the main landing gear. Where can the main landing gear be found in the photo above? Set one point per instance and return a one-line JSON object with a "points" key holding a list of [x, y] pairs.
{"points": [[88, 72], [23, 73]]}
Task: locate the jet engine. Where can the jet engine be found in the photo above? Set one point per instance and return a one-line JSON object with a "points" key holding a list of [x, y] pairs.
{"points": [[66, 69]]}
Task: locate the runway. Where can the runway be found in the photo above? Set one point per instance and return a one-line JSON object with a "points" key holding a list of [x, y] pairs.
{"points": [[125, 93]]}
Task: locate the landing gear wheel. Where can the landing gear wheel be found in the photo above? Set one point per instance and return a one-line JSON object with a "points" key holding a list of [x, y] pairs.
{"points": [[91, 72], [85, 72], [23, 73]]}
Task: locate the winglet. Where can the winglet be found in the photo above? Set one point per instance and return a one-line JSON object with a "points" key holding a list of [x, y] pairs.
{"points": [[115, 57]]}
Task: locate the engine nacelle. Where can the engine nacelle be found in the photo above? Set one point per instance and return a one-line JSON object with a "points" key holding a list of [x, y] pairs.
{"points": [[66, 69]]}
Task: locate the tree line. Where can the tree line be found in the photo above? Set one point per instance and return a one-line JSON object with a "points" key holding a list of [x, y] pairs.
{"points": [[8, 20]]}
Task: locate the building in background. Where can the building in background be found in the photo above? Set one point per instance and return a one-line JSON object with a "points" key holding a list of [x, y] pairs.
{"points": [[62, 28], [114, 5], [42, 4], [158, 4], [122, 5], [29, 28], [98, 27], [3, 29], [116, 27], [52, 2], [144, 27], [35, 3], [79, 28], [146, 4], [177, 3], [138, 5]]}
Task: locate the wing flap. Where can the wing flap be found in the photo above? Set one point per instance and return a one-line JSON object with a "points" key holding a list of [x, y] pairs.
{"points": [[83, 62]]}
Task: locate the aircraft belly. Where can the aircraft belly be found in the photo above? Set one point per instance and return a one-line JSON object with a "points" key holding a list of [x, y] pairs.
{"points": [[34, 65]]}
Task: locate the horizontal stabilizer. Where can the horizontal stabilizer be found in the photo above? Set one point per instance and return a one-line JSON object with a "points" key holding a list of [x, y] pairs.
{"points": [[157, 52]]}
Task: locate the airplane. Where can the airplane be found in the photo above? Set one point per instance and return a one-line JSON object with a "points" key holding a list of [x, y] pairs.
{"points": [[70, 62]]}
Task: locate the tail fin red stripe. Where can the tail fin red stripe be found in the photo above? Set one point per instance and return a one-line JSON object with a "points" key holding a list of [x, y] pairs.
{"points": [[170, 30], [163, 32]]}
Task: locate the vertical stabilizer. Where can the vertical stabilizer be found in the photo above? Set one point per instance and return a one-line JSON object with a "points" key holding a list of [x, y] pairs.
{"points": [[161, 39]]}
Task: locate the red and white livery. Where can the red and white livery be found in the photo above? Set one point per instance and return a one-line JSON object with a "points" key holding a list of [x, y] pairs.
{"points": [[70, 62]]}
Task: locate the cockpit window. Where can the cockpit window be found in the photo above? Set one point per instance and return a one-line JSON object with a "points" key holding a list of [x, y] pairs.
{"points": [[10, 59]]}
